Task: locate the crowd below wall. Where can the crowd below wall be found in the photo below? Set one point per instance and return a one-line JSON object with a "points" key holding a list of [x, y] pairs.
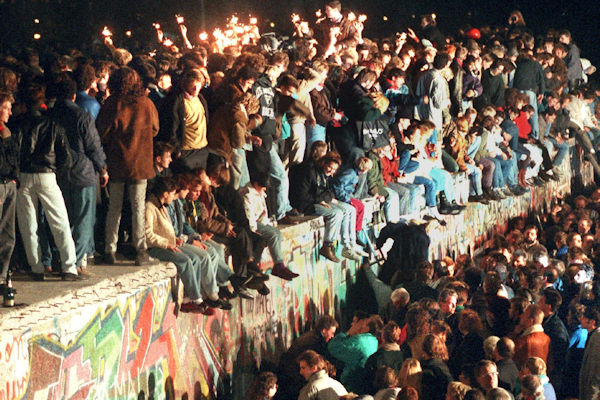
{"points": [[217, 143]]}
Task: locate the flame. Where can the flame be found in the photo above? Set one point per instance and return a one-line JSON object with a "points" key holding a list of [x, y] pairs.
{"points": [[128, 33], [37, 36], [362, 18], [156, 25], [253, 21], [295, 18], [319, 13], [233, 20], [180, 19], [168, 42], [351, 16], [203, 36], [106, 32]]}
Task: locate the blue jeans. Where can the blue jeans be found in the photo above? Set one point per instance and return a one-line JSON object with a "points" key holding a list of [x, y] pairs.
{"points": [[42, 188], [137, 198], [194, 267], [475, 176], [430, 191], [473, 147], [280, 184], [403, 197], [391, 207], [239, 168], [217, 255], [562, 151], [273, 238], [81, 206], [314, 134], [505, 172], [443, 181], [338, 219]]}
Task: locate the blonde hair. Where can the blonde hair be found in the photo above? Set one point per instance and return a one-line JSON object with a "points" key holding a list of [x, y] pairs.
{"points": [[410, 373], [457, 390]]}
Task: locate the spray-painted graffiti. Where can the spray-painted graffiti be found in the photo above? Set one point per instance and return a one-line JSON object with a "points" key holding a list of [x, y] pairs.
{"points": [[134, 345]]}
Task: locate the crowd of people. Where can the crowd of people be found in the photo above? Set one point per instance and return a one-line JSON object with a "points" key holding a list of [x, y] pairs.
{"points": [[217, 143]]}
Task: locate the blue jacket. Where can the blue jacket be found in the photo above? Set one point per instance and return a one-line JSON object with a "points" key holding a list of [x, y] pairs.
{"points": [[84, 142], [88, 103], [344, 184]]}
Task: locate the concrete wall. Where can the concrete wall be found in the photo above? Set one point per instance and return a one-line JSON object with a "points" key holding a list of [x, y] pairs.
{"points": [[120, 339]]}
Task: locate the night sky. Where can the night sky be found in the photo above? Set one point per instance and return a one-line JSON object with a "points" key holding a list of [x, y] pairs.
{"points": [[86, 18]]}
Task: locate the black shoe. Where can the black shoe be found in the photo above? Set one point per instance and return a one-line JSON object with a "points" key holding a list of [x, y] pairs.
{"points": [[225, 293], [38, 276], [109, 258], [499, 194], [539, 182], [239, 281], [263, 290], [68, 276], [243, 293], [222, 304]]}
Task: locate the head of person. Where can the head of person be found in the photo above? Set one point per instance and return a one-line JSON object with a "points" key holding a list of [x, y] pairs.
{"points": [[590, 319], [505, 348], [264, 387], [433, 347], [162, 152], [486, 374], [246, 77], [386, 377], [400, 298], [310, 362], [532, 388], [333, 10], [260, 182], [410, 373], [327, 326], [533, 315], [489, 347], [564, 37], [6, 102], [366, 79], [442, 60], [447, 300], [192, 82], [330, 163], [469, 322], [549, 301], [391, 333], [424, 271], [164, 188], [530, 234], [498, 394], [456, 390], [125, 83], [218, 174], [317, 150]]}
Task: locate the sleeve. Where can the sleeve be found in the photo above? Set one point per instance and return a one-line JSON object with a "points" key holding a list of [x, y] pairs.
{"points": [[250, 212], [152, 239], [169, 122], [91, 142], [343, 186], [105, 122], [64, 159]]}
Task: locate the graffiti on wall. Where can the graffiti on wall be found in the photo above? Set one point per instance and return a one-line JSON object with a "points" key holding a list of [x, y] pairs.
{"points": [[134, 346]]}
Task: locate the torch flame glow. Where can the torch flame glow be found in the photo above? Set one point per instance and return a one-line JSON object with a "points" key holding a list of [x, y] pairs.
{"points": [[362, 18], [180, 19], [106, 32]]}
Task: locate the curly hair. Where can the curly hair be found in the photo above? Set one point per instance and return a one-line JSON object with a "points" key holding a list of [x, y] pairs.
{"points": [[126, 84], [262, 384]]}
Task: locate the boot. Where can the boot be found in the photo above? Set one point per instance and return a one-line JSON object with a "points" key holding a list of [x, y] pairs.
{"points": [[521, 178], [489, 194], [444, 207]]}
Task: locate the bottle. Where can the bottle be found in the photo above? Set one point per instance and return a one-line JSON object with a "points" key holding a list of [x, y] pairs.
{"points": [[9, 293]]}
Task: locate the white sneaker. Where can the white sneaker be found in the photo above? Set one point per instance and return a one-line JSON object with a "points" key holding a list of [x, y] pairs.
{"points": [[350, 254]]}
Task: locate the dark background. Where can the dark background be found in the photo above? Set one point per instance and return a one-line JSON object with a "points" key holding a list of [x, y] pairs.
{"points": [[71, 23]]}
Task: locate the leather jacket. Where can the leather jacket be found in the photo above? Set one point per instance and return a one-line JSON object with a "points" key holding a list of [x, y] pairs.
{"points": [[44, 145]]}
